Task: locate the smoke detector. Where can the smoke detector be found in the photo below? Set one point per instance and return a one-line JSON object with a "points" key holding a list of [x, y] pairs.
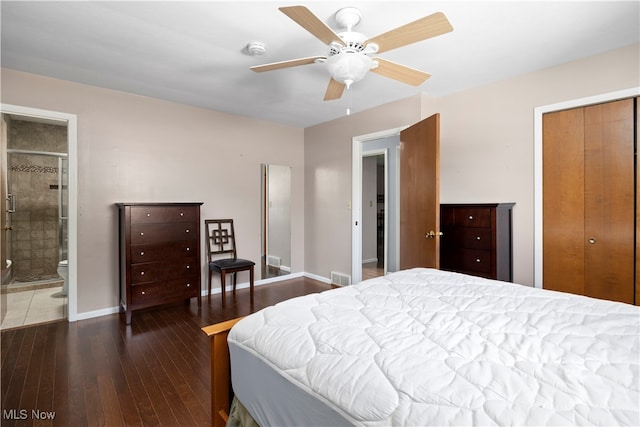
{"points": [[256, 48]]}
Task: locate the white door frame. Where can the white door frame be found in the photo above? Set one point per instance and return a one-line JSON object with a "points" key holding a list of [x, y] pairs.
{"points": [[71, 121], [356, 199], [537, 173]]}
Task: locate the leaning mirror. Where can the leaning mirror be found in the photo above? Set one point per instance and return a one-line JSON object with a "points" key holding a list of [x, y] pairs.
{"points": [[276, 220]]}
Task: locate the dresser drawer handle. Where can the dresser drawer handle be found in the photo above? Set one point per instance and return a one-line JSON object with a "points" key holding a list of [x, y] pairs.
{"points": [[148, 214], [143, 293], [181, 213], [471, 217], [142, 234], [187, 231], [188, 285], [142, 253], [478, 238], [142, 273], [188, 249], [477, 259], [188, 267]]}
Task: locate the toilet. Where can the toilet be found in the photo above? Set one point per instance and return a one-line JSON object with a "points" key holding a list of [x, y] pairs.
{"points": [[63, 271]]}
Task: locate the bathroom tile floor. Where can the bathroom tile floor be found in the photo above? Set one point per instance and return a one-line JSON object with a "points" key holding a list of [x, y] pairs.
{"points": [[34, 306]]}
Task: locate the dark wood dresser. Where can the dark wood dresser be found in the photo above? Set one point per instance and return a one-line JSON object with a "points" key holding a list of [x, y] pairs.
{"points": [[159, 254], [477, 239]]}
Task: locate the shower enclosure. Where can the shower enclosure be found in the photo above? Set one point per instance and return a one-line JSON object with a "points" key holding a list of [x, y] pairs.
{"points": [[37, 207], [37, 200]]}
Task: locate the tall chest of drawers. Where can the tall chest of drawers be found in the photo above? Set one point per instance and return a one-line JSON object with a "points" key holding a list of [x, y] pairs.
{"points": [[477, 239], [159, 254]]}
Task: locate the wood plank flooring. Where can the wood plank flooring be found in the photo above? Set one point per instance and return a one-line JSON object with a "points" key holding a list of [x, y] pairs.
{"points": [[101, 372], [371, 270]]}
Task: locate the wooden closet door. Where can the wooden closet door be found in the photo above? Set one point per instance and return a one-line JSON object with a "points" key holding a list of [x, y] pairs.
{"points": [[637, 301], [609, 201], [589, 201], [563, 201]]}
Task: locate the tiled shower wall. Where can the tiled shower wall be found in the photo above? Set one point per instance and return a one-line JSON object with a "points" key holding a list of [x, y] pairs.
{"points": [[33, 179]]}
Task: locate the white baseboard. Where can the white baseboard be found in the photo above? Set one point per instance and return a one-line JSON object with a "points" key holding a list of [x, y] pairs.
{"points": [[114, 310], [97, 313], [370, 260], [318, 278], [245, 285]]}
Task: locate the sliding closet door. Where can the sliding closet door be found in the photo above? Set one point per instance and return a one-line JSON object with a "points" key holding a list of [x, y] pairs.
{"points": [[589, 201]]}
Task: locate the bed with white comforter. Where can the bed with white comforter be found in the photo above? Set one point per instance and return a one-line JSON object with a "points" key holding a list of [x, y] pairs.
{"points": [[427, 347]]}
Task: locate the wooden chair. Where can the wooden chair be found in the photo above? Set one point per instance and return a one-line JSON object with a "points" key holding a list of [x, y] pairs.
{"points": [[222, 256]]}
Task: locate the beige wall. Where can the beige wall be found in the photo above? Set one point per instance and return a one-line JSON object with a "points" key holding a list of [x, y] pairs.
{"points": [[487, 146], [327, 153], [134, 149], [487, 136]]}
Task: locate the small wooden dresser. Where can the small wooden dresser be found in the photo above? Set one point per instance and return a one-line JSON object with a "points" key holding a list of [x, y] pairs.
{"points": [[477, 239], [159, 254]]}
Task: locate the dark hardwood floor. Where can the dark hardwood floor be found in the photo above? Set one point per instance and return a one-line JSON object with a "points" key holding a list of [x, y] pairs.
{"points": [[100, 372]]}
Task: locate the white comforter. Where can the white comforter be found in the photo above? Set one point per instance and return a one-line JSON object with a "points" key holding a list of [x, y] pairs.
{"points": [[426, 347]]}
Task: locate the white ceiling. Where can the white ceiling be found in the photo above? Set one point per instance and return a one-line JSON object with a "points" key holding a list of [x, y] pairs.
{"points": [[195, 52]]}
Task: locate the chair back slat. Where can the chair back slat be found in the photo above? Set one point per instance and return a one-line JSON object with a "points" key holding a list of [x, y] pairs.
{"points": [[221, 238]]}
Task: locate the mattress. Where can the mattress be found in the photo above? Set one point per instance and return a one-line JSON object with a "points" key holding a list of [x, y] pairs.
{"points": [[428, 347]]}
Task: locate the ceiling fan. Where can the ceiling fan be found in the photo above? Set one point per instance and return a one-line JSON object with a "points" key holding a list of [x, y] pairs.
{"points": [[349, 59]]}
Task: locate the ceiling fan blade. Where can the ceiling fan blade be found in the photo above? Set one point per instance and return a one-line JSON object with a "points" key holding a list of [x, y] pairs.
{"points": [[310, 22], [334, 90], [399, 72], [285, 64], [422, 29]]}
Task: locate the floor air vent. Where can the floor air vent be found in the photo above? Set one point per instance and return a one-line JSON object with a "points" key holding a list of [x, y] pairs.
{"points": [[340, 279]]}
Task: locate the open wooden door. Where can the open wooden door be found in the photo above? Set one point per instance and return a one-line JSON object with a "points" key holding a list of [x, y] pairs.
{"points": [[420, 194]]}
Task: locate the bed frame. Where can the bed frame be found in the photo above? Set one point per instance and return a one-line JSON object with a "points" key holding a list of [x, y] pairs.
{"points": [[221, 392]]}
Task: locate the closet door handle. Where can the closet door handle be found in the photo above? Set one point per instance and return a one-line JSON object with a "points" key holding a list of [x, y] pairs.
{"points": [[592, 241]]}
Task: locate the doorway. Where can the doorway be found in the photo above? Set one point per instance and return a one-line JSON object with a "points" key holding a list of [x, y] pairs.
{"points": [[39, 229], [374, 212], [417, 188], [383, 147]]}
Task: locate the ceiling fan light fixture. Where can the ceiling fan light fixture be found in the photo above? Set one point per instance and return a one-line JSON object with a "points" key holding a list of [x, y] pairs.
{"points": [[347, 68], [348, 59]]}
